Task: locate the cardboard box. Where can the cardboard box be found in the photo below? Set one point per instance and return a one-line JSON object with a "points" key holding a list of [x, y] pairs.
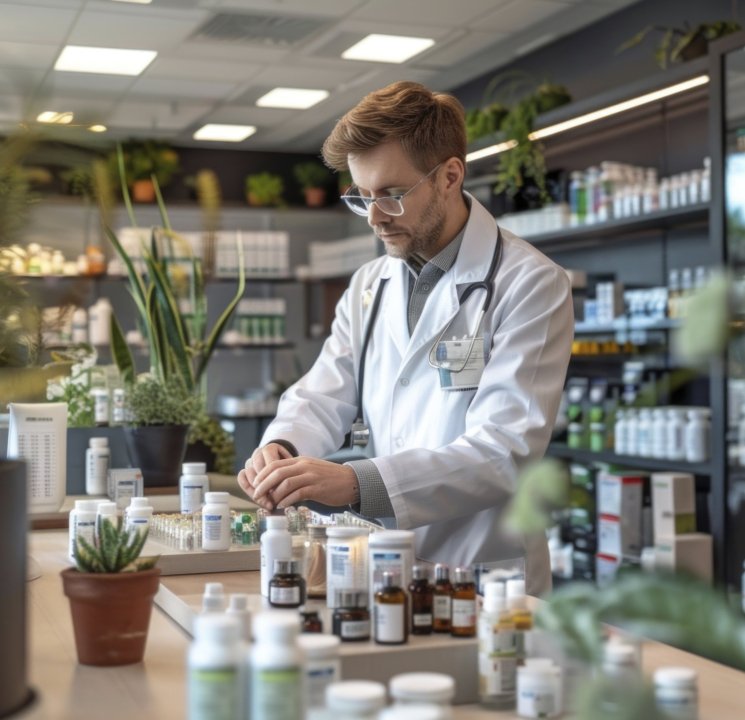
{"points": [[673, 504], [620, 537], [690, 553], [620, 493], [606, 567]]}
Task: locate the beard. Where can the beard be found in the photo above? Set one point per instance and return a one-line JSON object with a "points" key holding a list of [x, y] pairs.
{"points": [[421, 239]]}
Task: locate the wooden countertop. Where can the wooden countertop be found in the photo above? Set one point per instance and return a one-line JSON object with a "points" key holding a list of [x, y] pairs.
{"points": [[156, 689]]}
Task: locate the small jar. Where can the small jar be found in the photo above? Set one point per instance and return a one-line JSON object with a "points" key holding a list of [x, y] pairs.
{"points": [[659, 433], [696, 435], [216, 521], [674, 443], [356, 699], [322, 666], [463, 618], [314, 569], [597, 436], [311, 621], [620, 663], [538, 689], [351, 620], [644, 433], [676, 692], [422, 687], [287, 587]]}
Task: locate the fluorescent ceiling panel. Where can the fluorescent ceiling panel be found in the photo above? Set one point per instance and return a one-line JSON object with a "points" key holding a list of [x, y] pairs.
{"points": [[107, 61], [295, 98], [387, 48], [224, 133]]}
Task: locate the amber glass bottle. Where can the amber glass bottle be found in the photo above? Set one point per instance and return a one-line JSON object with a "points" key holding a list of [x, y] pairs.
{"points": [[391, 612], [442, 600], [287, 587], [422, 594], [463, 616]]}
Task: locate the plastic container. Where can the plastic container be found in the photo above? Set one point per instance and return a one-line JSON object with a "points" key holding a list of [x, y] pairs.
{"points": [[644, 433], [193, 486], [322, 666], [497, 650], [106, 511], [81, 522], [100, 397], [138, 518], [423, 688], [99, 322], [676, 692], [314, 569], [392, 551], [539, 689], [216, 521], [238, 608], [346, 561], [277, 676], [674, 434], [659, 433], [696, 435], [620, 663], [215, 669], [276, 544], [97, 461], [356, 699], [620, 433], [418, 711], [213, 598]]}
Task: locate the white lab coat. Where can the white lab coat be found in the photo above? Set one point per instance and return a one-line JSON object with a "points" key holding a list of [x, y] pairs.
{"points": [[449, 460]]}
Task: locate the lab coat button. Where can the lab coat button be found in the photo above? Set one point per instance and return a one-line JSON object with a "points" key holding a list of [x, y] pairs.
{"points": [[399, 442], [404, 381], [425, 287]]}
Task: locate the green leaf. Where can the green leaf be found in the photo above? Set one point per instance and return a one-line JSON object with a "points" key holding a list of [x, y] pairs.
{"points": [[121, 353], [635, 40], [541, 488], [124, 186]]}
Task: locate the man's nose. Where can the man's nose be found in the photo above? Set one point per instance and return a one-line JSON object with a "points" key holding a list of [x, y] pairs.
{"points": [[375, 216]]}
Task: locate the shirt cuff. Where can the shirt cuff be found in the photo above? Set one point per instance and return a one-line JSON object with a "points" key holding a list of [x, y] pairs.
{"points": [[374, 499], [287, 445]]}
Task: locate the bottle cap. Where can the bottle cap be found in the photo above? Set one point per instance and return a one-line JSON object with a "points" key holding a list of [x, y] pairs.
{"points": [[274, 522], [317, 646], [388, 538], [276, 625], [218, 628], [107, 508], [516, 593], [286, 567], [237, 602], [390, 579], [346, 532], [86, 506], [617, 653], [442, 572], [422, 687], [420, 572], [675, 677], [193, 468], [138, 502], [216, 498], [98, 442], [350, 599], [463, 575], [317, 531], [357, 696]]}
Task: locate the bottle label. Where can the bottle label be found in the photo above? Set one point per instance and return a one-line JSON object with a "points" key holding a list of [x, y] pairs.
{"points": [[494, 640], [318, 676], [277, 694], [464, 613], [355, 629], [212, 528], [422, 619], [442, 607], [192, 497], [496, 675], [214, 693], [390, 623], [536, 703], [284, 595]]}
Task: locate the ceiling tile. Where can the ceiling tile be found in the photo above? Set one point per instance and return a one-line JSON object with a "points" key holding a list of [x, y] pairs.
{"points": [[250, 115], [86, 83], [464, 46], [27, 55], [415, 11], [176, 66], [23, 24], [519, 14], [230, 52], [298, 7], [156, 116], [307, 76], [181, 89]]}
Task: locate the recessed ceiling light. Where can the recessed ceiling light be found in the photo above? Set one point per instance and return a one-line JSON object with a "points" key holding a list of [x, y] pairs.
{"points": [[224, 133], [98, 128], [296, 98], [108, 61], [56, 118], [136, 2], [387, 48]]}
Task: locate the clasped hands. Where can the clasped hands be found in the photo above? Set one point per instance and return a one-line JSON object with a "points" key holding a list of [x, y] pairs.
{"points": [[273, 478]]}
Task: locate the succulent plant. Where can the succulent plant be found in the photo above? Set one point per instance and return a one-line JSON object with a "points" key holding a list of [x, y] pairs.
{"points": [[114, 550]]}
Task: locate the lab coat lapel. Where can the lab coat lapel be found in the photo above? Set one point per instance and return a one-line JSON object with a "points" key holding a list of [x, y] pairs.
{"points": [[393, 310]]}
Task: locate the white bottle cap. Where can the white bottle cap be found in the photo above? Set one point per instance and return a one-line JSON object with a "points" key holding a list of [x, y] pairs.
{"points": [[423, 687], [675, 677], [414, 711], [276, 625], [237, 602], [346, 532], [357, 696], [138, 502], [139, 513], [218, 628], [213, 597], [618, 653], [86, 506], [494, 600], [388, 538], [274, 522], [107, 508], [193, 468], [216, 498], [98, 442], [317, 646]]}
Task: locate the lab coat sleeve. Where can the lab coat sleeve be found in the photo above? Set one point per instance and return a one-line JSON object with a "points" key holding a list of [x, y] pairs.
{"points": [[510, 417], [317, 411]]}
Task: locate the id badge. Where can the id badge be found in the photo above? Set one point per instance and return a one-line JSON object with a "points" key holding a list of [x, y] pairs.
{"points": [[451, 356]]}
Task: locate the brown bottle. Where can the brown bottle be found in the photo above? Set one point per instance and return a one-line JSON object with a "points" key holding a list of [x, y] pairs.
{"points": [[463, 615], [287, 587], [421, 592], [442, 599], [391, 613]]}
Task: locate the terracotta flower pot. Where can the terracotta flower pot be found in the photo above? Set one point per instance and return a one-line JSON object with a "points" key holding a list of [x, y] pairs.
{"points": [[110, 614], [143, 191], [315, 196]]}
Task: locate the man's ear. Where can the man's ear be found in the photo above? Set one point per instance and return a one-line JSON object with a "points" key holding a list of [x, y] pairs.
{"points": [[454, 172]]}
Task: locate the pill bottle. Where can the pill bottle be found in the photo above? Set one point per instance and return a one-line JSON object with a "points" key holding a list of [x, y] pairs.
{"points": [[238, 608], [674, 434], [346, 560], [391, 612], [276, 544], [215, 669], [287, 586], [97, 461], [213, 597], [463, 618], [422, 687], [620, 663], [696, 434], [539, 689], [415, 711], [106, 511], [216, 521], [193, 486], [392, 551], [81, 523], [356, 699], [676, 692], [351, 619], [322, 666], [442, 600], [421, 592]]}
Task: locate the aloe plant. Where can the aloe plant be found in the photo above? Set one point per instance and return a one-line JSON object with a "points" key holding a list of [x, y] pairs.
{"points": [[114, 550]]}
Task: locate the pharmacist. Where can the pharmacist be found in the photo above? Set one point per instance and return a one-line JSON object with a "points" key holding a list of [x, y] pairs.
{"points": [[447, 355]]}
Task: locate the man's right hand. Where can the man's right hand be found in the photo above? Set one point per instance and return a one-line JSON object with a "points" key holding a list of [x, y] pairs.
{"points": [[261, 457]]}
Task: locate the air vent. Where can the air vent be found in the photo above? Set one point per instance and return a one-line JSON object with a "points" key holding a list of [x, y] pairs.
{"points": [[272, 30]]}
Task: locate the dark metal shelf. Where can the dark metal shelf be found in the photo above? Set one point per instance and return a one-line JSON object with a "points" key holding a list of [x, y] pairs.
{"points": [[562, 450]]}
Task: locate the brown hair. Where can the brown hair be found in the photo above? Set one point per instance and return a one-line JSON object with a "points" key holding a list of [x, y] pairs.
{"points": [[430, 126]]}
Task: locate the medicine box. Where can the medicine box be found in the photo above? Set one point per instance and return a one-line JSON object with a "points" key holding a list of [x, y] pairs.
{"points": [[673, 504], [124, 484], [620, 537], [690, 553], [606, 567], [620, 493]]}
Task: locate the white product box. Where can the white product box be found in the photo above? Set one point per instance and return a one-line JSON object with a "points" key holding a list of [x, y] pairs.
{"points": [[606, 567], [691, 553], [673, 504], [620, 537], [620, 493], [124, 484]]}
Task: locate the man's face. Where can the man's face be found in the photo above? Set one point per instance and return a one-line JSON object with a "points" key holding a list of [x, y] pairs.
{"points": [[387, 170]]}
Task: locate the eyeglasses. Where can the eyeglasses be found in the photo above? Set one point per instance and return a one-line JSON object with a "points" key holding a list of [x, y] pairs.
{"points": [[389, 204]]}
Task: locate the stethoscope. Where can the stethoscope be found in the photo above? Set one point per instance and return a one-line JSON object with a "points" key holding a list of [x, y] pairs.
{"points": [[360, 432]]}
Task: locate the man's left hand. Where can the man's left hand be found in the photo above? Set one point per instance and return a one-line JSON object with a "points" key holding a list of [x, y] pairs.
{"points": [[290, 481]]}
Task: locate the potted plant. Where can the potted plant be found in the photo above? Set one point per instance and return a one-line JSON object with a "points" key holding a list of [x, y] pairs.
{"points": [[312, 177], [111, 596], [682, 43], [264, 189], [143, 162]]}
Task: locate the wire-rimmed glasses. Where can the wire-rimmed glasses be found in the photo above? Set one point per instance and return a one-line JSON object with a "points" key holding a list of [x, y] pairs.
{"points": [[389, 204]]}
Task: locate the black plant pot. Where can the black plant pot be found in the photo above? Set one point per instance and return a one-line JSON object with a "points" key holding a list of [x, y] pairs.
{"points": [[199, 452], [14, 692], [158, 450]]}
